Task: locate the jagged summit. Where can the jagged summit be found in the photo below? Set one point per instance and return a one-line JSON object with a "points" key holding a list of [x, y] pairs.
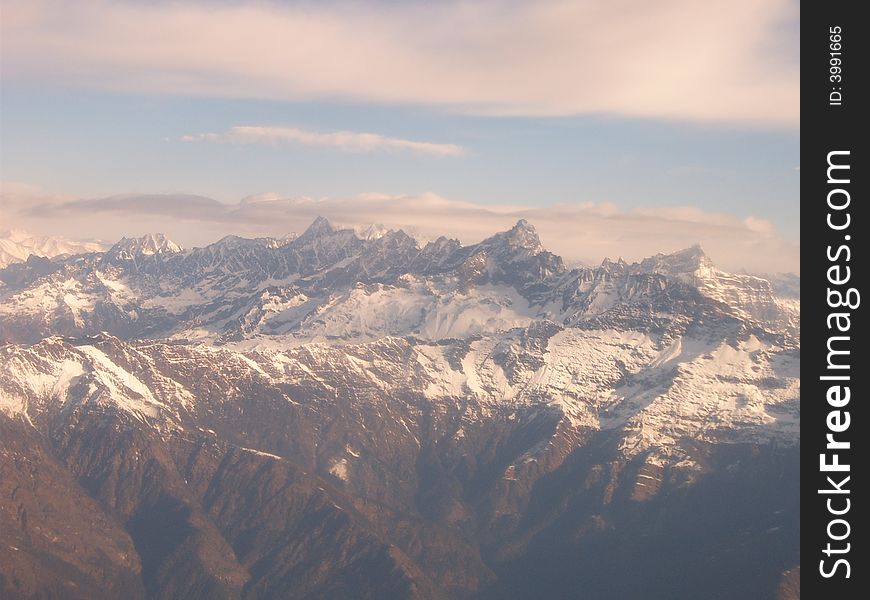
{"points": [[147, 245], [682, 262], [524, 235], [235, 242], [609, 264], [232, 240], [319, 227], [521, 236], [372, 232]]}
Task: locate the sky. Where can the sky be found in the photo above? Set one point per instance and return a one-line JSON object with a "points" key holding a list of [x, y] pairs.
{"points": [[619, 128]]}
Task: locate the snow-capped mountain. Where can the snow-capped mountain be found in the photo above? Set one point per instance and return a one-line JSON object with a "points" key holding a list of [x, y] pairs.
{"points": [[355, 414], [17, 245], [331, 284], [147, 245]]}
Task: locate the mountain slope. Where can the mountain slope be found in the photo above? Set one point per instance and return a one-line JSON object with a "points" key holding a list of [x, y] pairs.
{"points": [[342, 415]]}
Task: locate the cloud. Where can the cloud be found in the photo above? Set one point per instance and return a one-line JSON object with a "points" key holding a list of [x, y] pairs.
{"points": [[722, 60], [585, 231], [347, 141]]}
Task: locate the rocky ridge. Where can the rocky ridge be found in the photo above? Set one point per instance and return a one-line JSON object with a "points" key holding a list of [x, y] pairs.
{"points": [[345, 414]]}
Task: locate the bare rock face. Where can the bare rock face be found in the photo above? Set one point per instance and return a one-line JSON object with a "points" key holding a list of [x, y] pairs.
{"points": [[58, 541], [790, 585], [341, 415]]}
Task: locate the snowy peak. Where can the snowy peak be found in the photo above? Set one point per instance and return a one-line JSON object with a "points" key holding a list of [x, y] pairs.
{"points": [[15, 235], [521, 236], [147, 245], [375, 231], [748, 298], [683, 262], [17, 245], [319, 228], [524, 235], [611, 266]]}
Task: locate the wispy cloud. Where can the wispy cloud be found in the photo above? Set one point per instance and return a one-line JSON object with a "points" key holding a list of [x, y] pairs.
{"points": [[346, 141], [721, 60], [584, 231]]}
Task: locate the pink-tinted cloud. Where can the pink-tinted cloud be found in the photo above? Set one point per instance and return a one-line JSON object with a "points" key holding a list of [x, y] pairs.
{"points": [[583, 231], [346, 141], [720, 60]]}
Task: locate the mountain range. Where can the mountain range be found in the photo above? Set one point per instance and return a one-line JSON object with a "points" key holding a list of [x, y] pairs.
{"points": [[17, 245], [357, 414]]}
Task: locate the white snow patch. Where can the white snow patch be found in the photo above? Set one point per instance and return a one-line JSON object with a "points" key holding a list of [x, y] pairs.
{"points": [[339, 469], [261, 453], [126, 390]]}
